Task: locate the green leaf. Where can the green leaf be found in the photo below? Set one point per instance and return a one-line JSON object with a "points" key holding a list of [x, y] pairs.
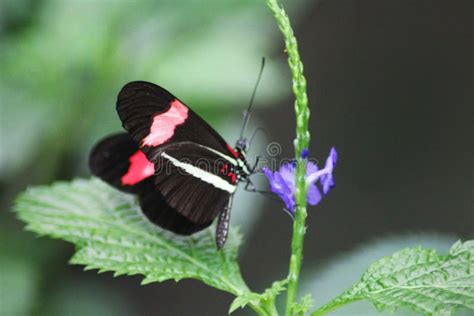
{"points": [[243, 300], [266, 299], [302, 307], [417, 278], [111, 234]]}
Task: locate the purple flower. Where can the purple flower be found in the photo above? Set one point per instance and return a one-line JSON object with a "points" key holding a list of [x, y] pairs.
{"points": [[282, 182]]}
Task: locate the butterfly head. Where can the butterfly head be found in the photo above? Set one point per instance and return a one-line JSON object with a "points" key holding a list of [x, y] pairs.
{"points": [[243, 169], [242, 146]]}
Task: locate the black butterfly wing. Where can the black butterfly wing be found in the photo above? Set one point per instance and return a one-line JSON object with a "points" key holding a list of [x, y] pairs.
{"points": [[153, 116], [159, 212], [111, 160], [195, 180], [192, 176]]}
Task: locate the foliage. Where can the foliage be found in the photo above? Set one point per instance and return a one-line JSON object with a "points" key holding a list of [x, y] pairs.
{"points": [[304, 305], [418, 278], [112, 235], [267, 298]]}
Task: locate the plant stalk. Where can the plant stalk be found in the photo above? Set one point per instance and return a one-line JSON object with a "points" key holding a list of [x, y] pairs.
{"points": [[301, 142]]}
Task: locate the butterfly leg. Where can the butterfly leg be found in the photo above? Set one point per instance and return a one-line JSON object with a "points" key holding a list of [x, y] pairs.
{"points": [[250, 187], [257, 160], [222, 229]]}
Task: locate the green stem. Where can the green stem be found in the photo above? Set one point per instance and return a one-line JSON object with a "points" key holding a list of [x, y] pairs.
{"points": [[271, 308], [259, 309], [301, 142]]}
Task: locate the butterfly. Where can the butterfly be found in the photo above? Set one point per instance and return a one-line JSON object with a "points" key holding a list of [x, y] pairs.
{"points": [[183, 172]]}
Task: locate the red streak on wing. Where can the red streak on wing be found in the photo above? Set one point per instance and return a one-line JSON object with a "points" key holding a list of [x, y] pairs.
{"points": [[140, 169], [224, 169], [164, 124], [233, 177], [232, 151]]}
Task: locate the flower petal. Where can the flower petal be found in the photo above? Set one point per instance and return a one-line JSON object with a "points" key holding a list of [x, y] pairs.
{"points": [[280, 186], [331, 160], [287, 171], [313, 195], [311, 168], [327, 182], [327, 179], [333, 155], [268, 173], [282, 182], [290, 204]]}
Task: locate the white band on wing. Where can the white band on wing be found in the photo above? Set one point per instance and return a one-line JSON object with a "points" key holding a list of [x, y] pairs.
{"points": [[208, 177], [236, 162], [230, 159]]}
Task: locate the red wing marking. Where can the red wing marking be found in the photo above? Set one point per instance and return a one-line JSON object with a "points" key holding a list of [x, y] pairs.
{"points": [[233, 177], [232, 151], [140, 169], [225, 171], [164, 124]]}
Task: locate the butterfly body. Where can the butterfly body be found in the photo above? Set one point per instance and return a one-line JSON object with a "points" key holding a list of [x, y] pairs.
{"points": [[181, 169]]}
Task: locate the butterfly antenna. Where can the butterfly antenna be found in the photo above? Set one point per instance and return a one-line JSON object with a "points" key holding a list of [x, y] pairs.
{"points": [[247, 113]]}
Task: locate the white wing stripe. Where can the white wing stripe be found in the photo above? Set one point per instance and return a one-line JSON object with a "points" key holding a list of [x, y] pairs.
{"points": [[208, 177], [230, 159]]}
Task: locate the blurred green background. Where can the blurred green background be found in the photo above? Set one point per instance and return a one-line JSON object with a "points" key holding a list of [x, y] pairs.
{"points": [[390, 84]]}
